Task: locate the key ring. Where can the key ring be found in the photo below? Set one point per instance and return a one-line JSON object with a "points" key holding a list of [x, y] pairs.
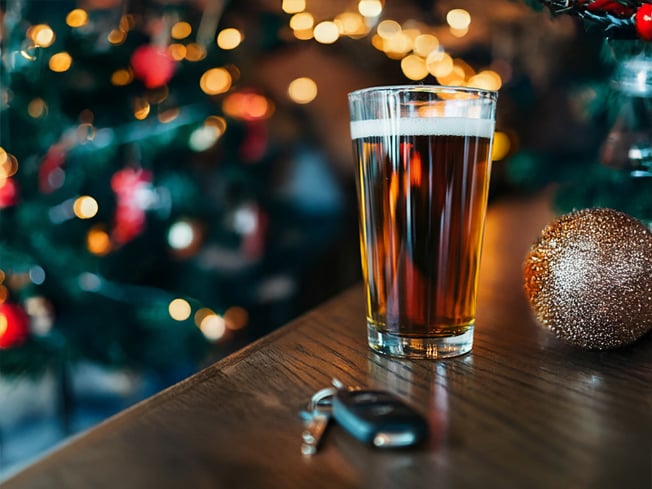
{"points": [[321, 399]]}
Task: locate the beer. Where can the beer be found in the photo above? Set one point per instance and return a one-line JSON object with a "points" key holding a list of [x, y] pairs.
{"points": [[422, 191]]}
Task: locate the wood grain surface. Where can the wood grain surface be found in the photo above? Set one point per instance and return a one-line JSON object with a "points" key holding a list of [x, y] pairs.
{"points": [[523, 410]]}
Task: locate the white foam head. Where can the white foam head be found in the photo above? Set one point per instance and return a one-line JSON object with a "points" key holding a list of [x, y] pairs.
{"points": [[426, 126]]}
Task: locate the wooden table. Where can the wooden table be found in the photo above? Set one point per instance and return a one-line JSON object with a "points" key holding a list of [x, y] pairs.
{"points": [[522, 410]]}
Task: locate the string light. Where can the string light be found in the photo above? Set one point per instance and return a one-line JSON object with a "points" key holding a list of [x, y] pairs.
{"points": [[236, 317], [302, 21], [98, 241], [213, 327], [370, 8], [195, 52], [41, 35], [180, 30], [179, 309], [60, 62], [326, 32], [117, 36], [77, 18], [122, 77], [414, 67], [229, 38], [302, 90], [85, 207], [215, 81], [37, 108], [293, 6]]}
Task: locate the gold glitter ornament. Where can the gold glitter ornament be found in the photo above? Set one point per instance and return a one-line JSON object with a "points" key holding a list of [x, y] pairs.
{"points": [[588, 278]]}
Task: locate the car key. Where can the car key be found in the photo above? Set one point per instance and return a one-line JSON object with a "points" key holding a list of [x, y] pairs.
{"points": [[316, 418], [378, 418]]}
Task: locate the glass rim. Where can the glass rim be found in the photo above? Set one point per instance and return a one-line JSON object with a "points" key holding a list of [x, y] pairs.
{"points": [[482, 92]]}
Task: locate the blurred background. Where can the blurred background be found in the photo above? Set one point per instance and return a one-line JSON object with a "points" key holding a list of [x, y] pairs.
{"points": [[176, 176]]}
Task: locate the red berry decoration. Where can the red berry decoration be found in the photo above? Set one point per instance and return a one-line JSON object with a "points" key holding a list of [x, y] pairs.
{"points": [[14, 325], [643, 20], [152, 65]]}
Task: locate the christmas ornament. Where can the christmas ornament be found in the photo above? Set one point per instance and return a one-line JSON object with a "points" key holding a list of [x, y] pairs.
{"points": [[14, 325], [133, 191], [618, 19], [153, 65], [588, 279], [643, 20], [8, 192]]}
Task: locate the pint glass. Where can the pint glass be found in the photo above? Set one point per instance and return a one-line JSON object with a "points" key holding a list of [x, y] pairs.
{"points": [[423, 157]]}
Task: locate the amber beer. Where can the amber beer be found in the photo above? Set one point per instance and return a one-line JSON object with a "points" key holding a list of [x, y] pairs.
{"points": [[422, 187]]}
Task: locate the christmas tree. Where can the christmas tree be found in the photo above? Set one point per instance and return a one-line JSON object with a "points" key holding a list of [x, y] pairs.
{"points": [[138, 219]]}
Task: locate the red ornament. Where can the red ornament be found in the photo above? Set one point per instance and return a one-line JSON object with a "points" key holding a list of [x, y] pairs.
{"points": [[613, 7], [643, 20], [153, 65], [14, 325], [132, 189], [8, 193]]}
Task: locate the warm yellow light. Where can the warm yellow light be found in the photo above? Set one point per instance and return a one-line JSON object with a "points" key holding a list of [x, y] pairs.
{"points": [[42, 35], [425, 44], [302, 90], [8, 164], [202, 314], [98, 241], [303, 34], [180, 30], [177, 51], [458, 18], [388, 28], [501, 146], [398, 46], [213, 327], [60, 62], [370, 8], [179, 309], [117, 36], [302, 21], [229, 38], [77, 18], [247, 106], [85, 207], [487, 79], [326, 32], [168, 115], [293, 6], [217, 122], [37, 108], [439, 64], [351, 24], [236, 317], [215, 81], [414, 67], [459, 32], [127, 22], [141, 109], [195, 52], [122, 77]]}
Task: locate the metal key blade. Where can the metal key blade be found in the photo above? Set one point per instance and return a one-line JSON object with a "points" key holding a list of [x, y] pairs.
{"points": [[313, 432], [316, 419]]}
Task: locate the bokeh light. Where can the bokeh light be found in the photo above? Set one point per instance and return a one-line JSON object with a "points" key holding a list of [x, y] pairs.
{"points": [[326, 32], [293, 6], [229, 38], [302, 90], [179, 309], [42, 35], [85, 207], [215, 81], [60, 62], [77, 18], [458, 18], [180, 30], [370, 8], [98, 241]]}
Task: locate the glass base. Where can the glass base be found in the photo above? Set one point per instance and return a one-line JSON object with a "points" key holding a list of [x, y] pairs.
{"points": [[419, 348]]}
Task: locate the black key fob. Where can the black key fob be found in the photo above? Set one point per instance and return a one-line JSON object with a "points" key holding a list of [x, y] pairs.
{"points": [[378, 418]]}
